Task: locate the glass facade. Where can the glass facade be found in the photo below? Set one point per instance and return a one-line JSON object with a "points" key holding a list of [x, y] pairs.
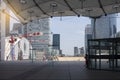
{"points": [[104, 27], [104, 54], [56, 41], [88, 35]]}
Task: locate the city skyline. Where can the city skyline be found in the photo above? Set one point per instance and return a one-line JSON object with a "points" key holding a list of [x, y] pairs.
{"points": [[71, 30], [58, 26]]}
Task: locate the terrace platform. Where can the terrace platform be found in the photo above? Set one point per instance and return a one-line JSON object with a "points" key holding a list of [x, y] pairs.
{"points": [[52, 70]]}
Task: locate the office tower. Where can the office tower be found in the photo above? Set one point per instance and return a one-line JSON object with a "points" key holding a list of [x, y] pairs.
{"points": [[81, 51], [38, 33], [104, 27], [4, 28], [56, 44], [61, 52], [88, 35], [56, 41], [76, 51]]}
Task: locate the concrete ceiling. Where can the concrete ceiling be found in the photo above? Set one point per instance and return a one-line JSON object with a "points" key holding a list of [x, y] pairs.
{"points": [[27, 10]]}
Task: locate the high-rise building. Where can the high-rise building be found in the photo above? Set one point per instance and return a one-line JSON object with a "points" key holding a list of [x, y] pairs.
{"points": [[56, 44], [4, 28], [76, 53], [81, 51], [38, 33], [56, 41], [104, 27], [88, 35], [18, 28]]}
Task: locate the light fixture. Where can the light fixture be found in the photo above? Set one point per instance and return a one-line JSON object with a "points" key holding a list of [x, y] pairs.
{"points": [[89, 10], [30, 12], [51, 16], [78, 15], [116, 6], [53, 6], [82, 2], [61, 14], [22, 1]]}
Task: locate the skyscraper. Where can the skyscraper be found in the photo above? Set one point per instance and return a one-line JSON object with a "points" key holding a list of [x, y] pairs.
{"points": [[56, 41], [104, 27], [56, 44], [38, 33], [81, 50], [88, 35], [76, 53]]}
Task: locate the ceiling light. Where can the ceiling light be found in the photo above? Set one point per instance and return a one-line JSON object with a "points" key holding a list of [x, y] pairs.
{"points": [[22, 1], [30, 12], [82, 2], [89, 11], [116, 6], [61, 13], [53, 5]]}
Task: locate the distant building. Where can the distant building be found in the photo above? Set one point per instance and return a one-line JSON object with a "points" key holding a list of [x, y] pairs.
{"points": [[56, 41], [105, 27], [76, 53], [118, 34], [38, 33], [56, 44], [81, 51], [61, 52], [18, 28], [88, 35]]}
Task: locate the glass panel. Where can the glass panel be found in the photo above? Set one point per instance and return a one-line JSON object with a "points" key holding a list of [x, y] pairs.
{"points": [[104, 54]]}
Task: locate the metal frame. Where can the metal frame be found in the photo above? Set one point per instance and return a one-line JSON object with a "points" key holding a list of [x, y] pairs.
{"points": [[104, 54]]}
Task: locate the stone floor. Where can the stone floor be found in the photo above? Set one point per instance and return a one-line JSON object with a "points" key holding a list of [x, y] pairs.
{"points": [[52, 70]]}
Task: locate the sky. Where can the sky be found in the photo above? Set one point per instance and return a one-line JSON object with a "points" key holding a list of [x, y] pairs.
{"points": [[71, 30]]}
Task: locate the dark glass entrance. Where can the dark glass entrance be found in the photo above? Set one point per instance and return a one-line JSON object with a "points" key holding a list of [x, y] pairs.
{"points": [[104, 54]]}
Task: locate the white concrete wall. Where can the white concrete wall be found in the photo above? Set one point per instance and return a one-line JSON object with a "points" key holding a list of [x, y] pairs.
{"points": [[24, 46], [3, 25]]}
